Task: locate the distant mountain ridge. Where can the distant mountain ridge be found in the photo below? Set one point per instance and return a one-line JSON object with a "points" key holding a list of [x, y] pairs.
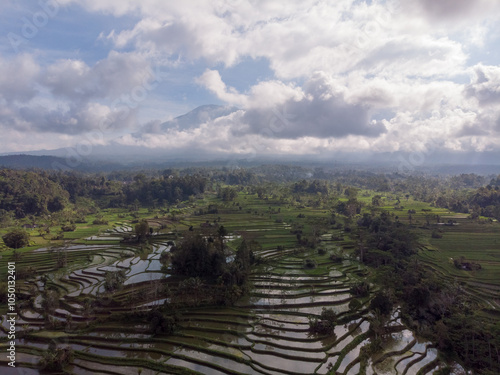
{"points": [[115, 155], [48, 162], [24, 161]]}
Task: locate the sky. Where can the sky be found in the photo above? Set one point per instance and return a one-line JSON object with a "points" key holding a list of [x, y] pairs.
{"points": [[296, 77]]}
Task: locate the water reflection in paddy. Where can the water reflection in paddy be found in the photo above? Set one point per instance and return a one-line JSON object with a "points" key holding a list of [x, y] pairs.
{"points": [[270, 324]]}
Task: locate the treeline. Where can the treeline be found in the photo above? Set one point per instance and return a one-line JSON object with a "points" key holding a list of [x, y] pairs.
{"points": [[484, 201], [160, 191], [25, 193]]}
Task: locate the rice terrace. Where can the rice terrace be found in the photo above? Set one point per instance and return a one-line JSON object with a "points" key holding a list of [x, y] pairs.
{"points": [[307, 276]]}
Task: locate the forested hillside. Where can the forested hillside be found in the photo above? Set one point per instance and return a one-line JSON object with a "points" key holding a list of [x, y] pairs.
{"points": [[40, 192]]}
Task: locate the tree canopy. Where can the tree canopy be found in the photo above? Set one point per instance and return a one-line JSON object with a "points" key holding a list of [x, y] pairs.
{"points": [[16, 239]]}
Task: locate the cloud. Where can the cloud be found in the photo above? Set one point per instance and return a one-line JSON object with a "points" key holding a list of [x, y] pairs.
{"points": [[70, 97], [322, 112], [18, 77], [212, 80], [353, 75], [454, 9], [269, 94], [423, 57], [116, 75], [73, 120], [485, 87]]}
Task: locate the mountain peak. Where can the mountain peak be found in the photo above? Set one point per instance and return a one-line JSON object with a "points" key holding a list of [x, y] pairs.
{"points": [[192, 119]]}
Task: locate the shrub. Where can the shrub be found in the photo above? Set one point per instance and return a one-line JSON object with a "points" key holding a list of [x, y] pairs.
{"points": [[68, 228], [55, 359], [165, 257], [162, 324], [436, 234], [325, 325], [16, 239], [321, 251], [361, 289], [114, 280], [310, 263], [100, 222], [336, 258], [354, 304], [321, 327], [329, 315]]}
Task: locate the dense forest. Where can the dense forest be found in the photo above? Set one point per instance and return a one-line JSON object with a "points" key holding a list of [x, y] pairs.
{"points": [[24, 193]]}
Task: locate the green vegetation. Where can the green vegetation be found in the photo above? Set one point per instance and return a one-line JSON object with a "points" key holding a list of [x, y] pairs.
{"points": [[16, 239], [325, 324], [219, 270]]}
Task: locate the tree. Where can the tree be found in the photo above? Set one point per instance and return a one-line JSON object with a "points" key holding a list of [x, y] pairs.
{"points": [[161, 324], [377, 200], [56, 359], [113, 280], [142, 230], [16, 239], [325, 325], [351, 192], [221, 233], [228, 193], [382, 303], [55, 204], [197, 257], [50, 302], [245, 256]]}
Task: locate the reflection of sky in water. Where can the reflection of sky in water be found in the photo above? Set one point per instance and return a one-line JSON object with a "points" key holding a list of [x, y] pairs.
{"points": [[145, 276], [270, 333], [223, 362], [297, 366]]}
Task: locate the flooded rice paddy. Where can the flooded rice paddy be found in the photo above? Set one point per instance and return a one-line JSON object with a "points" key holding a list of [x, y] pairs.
{"points": [[266, 332]]}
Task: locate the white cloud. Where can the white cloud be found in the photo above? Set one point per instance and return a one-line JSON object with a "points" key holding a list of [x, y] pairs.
{"points": [[112, 77], [212, 80], [17, 78], [485, 87], [348, 74]]}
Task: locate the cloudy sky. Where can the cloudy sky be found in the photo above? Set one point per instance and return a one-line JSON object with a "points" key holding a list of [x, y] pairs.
{"points": [[296, 77]]}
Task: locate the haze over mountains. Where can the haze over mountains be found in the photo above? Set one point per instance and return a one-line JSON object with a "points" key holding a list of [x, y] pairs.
{"points": [[117, 155]]}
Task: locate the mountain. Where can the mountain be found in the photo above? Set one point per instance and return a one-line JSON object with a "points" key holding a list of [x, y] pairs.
{"points": [[30, 161], [116, 155], [192, 119], [128, 155]]}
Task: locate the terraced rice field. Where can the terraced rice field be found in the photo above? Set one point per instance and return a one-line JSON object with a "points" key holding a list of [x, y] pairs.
{"points": [[266, 332], [479, 243]]}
